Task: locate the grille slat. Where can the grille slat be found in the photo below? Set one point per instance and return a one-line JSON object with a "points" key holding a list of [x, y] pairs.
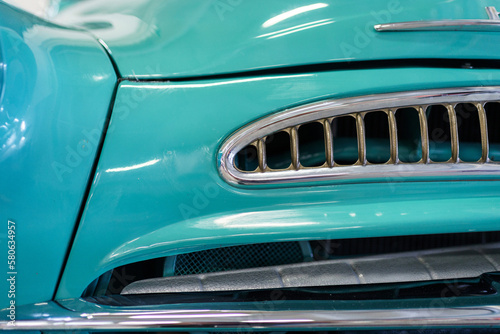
{"points": [[261, 151], [451, 130], [393, 132], [327, 128], [360, 128], [294, 138], [424, 133], [484, 132]]}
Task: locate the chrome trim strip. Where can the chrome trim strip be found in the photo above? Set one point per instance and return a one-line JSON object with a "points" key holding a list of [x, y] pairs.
{"points": [[381, 173], [291, 118], [245, 320], [442, 25], [492, 13], [493, 24]]}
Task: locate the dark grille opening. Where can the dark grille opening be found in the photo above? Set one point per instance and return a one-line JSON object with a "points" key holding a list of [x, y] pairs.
{"points": [[278, 150], [469, 132], [409, 138], [345, 140], [330, 249], [438, 123], [113, 281], [312, 145], [247, 159], [378, 143], [493, 119]]}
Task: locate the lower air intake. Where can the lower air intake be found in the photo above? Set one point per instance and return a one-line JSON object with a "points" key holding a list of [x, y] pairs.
{"points": [[316, 256], [438, 264]]}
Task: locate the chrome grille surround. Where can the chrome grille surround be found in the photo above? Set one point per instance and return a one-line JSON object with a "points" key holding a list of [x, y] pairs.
{"points": [[289, 120]]}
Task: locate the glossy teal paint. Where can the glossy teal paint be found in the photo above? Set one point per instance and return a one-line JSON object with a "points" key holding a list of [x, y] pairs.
{"points": [[57, 86], [157, 190], [177, 38]]}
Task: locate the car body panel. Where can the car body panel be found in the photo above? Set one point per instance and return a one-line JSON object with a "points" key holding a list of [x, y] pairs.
{"points": [[154, 38], [57, 86], [186, 77], [157, 190]]}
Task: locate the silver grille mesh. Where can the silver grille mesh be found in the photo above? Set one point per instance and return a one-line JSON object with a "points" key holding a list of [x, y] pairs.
{"points": [[238, 257], [251, 144]]}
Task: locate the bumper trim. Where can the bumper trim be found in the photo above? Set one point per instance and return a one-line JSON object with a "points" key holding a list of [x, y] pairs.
{"points": [[128, 319]]}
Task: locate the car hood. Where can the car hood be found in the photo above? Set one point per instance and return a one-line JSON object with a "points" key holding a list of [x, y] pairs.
{"points": [[172, 39]]}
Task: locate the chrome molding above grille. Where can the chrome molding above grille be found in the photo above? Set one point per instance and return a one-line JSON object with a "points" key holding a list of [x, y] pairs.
{"points": [[324, 112], [493, 24], [443, 25]]}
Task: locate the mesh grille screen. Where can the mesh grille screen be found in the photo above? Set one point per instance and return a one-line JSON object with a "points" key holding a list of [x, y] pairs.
{"points": [[238, 257]]}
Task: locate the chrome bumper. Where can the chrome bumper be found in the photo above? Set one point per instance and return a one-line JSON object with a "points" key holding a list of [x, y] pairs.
{"points": [[89, 316]]}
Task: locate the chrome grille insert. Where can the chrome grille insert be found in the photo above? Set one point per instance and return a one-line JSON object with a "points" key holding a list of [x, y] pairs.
{"points": [[421, 133]]}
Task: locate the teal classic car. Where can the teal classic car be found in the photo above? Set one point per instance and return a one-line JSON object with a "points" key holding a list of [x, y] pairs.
{"points": [[237, 165]]}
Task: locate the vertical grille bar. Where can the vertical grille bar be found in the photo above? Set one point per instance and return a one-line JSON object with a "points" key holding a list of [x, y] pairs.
{"points": [[294, 145], [360, 130], [453, 132], [328, 142], [484, 132], [393, 131], [261, 153], [424, 134]]}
